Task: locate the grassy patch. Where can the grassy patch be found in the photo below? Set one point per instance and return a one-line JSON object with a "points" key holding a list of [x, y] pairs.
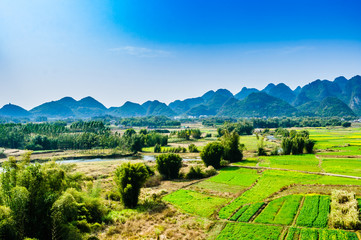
{"points": [[319, 234], [247, 215], [305, 162], [219, 187], [314, 212], [249, 231], [280, 211], [236, 176], [194, 202], [345, 166]]}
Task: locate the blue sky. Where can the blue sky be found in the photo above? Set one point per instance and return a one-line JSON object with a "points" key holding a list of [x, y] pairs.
{"points": [[138, 50]]}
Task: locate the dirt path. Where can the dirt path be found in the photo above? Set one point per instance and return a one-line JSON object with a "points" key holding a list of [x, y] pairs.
{"points": [[291, 170], [320, 163]]}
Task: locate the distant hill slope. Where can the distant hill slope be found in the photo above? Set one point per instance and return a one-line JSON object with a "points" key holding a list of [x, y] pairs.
{"points": [[181, 107], [317, 91], [129, 109], [258, 105], [282, 91], [69, 107], [156, 108], [245, 92], [52, 110], [329, 107], [11, 110], [352, 94], [333, 107]]}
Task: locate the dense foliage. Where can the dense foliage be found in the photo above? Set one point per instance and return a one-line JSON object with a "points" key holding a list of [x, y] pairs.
{"points": [[296, 142], [45, 202], [152, 122], [241, 128], [232, 148], [168, 165], [212, 154], [79, 135], [129, 179]]}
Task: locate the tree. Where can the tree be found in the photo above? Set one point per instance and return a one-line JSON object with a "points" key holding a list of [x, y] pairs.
{"points": [[129, 179], [168, 165], [286, 145], [309, 144], [212, 154], [232, 148]]}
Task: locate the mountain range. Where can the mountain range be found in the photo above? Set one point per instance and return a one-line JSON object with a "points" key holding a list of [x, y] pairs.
{"points": [[340, 97]]}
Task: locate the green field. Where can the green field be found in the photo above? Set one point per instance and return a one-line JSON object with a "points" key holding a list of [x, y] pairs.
{"points": [[321, 234], [249, 231], [236, 176], [345, 166], [194, 202], [280, 211], [306, 162], [314, 212]]}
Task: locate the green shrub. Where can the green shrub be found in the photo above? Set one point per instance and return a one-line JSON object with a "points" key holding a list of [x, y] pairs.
{"points": [[195, 173], [210, 171], [224, 163], [168, 165], [129, 179], [192, 148], [212, 154], [112, 195]]}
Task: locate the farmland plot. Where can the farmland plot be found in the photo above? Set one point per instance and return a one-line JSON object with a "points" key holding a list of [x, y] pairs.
{"points": [[280, 211]]}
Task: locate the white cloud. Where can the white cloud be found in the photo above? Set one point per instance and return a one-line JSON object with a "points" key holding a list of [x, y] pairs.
{"points": [[141, 52]]}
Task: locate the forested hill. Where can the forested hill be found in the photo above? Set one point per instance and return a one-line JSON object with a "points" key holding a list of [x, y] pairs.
{"points": [[340, 97]]}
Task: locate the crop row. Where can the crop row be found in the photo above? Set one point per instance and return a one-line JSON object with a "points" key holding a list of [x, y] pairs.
{"points": [[314, 212], [319, 234], [245, 213], [248, 231], [280, 211]]}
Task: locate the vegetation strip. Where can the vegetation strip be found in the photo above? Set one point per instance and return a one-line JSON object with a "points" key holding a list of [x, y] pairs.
{"points": [[291, 170]]}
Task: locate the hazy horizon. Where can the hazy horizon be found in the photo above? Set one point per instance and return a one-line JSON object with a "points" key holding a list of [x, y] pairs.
{"points": [[160, 50]]}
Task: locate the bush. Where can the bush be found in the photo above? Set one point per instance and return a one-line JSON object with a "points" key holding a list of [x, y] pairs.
{"points": [[212, 154], [346, 124], [192, 148], [210, 171], [112, 195], [129, 179], [195, 173], [157, 148], [168, 165], [224, 163]]}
